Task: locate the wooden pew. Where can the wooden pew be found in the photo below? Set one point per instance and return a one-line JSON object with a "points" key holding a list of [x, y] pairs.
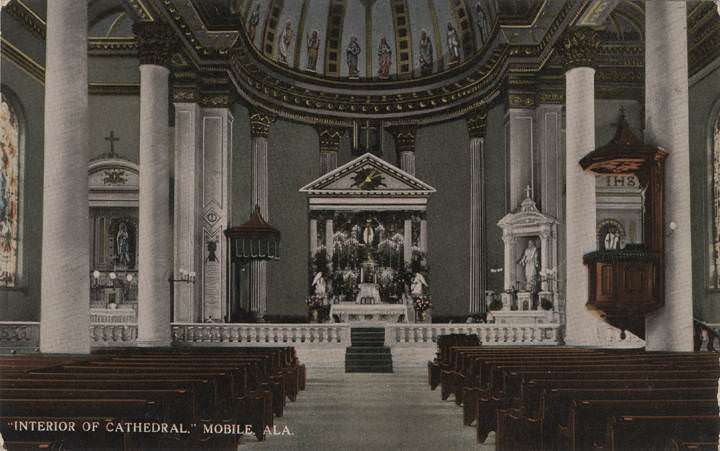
{"points": [[587, 421], [634, 433], [555, 405]]}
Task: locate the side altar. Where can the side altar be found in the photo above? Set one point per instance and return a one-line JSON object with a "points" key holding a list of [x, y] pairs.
{"points": [[368, 232]]}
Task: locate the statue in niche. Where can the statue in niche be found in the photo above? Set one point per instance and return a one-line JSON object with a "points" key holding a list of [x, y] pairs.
{"points": [[417, 285], [453, 43], [253, 21], [122, 241], [352, 52], [530, 260], [368, 232], [313, 46], [426, 53], [284, 43], [384, 58], [319, 284]]}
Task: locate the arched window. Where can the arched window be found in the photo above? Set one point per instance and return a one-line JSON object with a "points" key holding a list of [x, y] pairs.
{"points": [[715, 192], [10, 158]]}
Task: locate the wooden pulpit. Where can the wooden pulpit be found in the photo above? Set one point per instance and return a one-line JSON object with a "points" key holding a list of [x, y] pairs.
{"points": [[627, 285]]}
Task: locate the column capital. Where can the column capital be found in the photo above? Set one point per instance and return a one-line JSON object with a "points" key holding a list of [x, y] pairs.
{"points": [[476, 123], [329, 137], [260, 122], [580, 45], [155, 42], [520, 88], [404, 137]]}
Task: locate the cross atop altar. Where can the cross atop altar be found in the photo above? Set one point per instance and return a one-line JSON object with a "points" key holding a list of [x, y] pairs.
{"points": [[368, 235]]}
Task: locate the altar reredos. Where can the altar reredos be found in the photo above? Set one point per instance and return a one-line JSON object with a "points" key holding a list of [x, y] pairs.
{"points": [[368, 179]]}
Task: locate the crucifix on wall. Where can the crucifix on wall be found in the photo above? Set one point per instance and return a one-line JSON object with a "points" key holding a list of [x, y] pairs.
{"points": [[367, 137], [112, 138]]}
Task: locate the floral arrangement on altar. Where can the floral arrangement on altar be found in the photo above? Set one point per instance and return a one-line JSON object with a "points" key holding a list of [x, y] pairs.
{"points": [[314, 302], [422, 304]]}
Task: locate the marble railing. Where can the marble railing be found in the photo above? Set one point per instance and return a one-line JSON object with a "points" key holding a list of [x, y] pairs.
{"points": [[19, 335], [490, 334], [259, 333], [113, 334], [24, 335]]}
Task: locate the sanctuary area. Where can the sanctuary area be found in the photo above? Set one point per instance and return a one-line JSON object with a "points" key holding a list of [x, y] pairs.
{"points": [[252, 189]]}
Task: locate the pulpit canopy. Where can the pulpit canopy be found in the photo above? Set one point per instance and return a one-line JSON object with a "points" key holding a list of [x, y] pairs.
{"points": [[254, 240]]}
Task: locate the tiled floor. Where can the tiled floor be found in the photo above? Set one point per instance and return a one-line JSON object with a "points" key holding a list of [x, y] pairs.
{"points": [[397, 411]]}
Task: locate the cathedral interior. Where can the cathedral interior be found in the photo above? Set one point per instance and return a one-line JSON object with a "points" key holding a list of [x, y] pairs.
{"points": [[357, 184]]}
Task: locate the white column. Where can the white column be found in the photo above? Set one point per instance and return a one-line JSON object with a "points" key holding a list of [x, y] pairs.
{"points": [[582, 326], [477, 125], [260, 122], [549, 183], [423, 235], [407, 242], [65, 286], [407, 161], [519, 154], [215, 213], [509, 261], [187, 199], [666, 125], [328, 161], [154, 242], [313, 236], [544, 255], [329, 238]]}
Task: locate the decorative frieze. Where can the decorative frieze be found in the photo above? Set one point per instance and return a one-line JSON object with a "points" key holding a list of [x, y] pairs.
{"points": [[155, 41]]}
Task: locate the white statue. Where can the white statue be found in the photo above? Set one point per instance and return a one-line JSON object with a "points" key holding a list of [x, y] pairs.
{"points": [[612, 240], [416, 288], [530, 260], [319, 284]]}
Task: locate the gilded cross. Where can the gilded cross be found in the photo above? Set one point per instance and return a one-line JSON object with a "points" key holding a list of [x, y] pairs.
{"points": [[528, 192]]}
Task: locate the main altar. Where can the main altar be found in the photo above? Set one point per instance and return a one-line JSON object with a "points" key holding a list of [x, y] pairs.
{"points": [[368, 243]]}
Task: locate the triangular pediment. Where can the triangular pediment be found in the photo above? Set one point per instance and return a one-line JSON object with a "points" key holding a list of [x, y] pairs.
{"points": [[368, 175]]}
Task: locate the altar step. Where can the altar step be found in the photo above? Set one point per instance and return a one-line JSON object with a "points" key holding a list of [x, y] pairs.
{"points": [[368, 353]]}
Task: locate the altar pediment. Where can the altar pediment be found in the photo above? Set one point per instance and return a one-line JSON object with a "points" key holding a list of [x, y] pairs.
{"points": [[368, 176], [113, 181]]}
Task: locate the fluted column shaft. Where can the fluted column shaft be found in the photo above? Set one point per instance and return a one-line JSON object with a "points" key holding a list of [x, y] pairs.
{"points": [[260, 122], [477, 125], [329, 138], [405, 147], [667, 126], [154, 241], [65, 286]]}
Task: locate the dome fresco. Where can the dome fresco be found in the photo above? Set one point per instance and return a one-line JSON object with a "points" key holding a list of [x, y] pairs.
{"points": [[367, 39]]}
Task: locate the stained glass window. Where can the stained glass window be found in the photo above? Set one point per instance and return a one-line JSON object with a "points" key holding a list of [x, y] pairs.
{"points": [[9, 192], [715, 265]]}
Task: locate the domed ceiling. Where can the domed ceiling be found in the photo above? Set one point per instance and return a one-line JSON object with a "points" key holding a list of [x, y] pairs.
{"points": [[367, 39]]}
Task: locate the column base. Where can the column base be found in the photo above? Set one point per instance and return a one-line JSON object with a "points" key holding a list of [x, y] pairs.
{"points": [[153, 343]]}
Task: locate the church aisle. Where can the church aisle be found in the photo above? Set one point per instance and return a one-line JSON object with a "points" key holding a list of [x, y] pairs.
{"points": [[396, 411]]}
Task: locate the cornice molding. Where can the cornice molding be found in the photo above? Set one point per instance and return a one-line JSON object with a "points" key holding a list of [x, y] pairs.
{"points": [[22, 61], [28, 18], [112, 46]]}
